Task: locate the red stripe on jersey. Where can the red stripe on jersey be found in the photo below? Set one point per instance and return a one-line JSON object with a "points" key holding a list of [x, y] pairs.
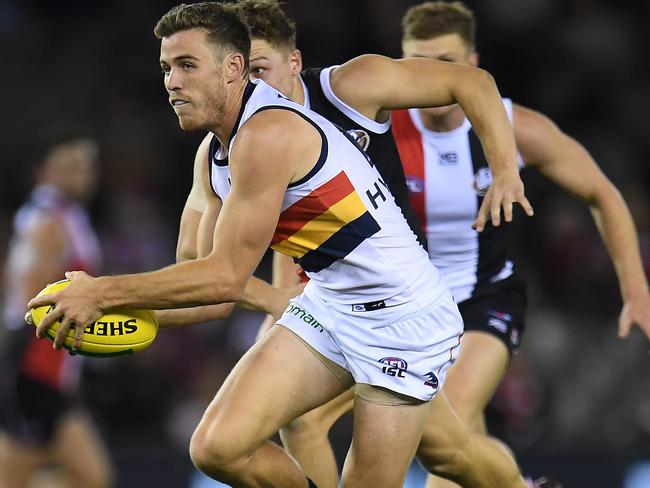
{"points": [[308, 208], [411, 152], [43, 363]]}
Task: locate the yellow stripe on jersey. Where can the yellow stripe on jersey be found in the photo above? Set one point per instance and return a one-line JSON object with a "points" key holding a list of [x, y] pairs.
{"points": [[320, 229]]}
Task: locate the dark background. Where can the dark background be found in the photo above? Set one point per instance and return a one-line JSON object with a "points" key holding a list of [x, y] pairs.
{"points": [[576, 401]]}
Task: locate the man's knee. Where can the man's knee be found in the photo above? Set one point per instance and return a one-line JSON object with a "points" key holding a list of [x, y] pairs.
{"points": [[213, 451], [307, 428], [448, 459]]}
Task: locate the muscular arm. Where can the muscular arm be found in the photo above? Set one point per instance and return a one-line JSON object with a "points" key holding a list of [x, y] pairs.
{"points": [[194, 208], [419, 83], [568, 164], [199, 211], [195, 236], [258, 294], [273, 148]]}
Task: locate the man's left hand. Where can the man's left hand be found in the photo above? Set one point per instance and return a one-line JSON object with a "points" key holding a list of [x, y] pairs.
{"points": [[76, 306], [503, 192], [635, 311]]}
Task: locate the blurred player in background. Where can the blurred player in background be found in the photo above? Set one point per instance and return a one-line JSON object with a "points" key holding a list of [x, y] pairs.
{"points": [[42, 422], [446, 172]]}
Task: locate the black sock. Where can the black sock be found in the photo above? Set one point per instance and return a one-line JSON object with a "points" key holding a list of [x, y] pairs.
{"points": [[311, 484]]}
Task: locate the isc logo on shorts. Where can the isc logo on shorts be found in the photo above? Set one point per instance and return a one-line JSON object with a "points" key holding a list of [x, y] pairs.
{"points": [[394, 366]]}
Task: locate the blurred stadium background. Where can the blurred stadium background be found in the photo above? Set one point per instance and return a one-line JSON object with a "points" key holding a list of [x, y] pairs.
{"points": [[576, 402]]}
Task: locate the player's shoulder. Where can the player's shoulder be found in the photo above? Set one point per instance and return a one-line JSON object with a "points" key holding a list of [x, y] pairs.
{"points": [[275, 138], [38, 214], [275, 123], [525, 114], [203, 149], [205, 142], [42, 227], [359, 68], [528, 122]]}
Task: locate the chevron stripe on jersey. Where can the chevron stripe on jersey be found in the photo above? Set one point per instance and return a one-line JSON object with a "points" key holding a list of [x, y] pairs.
{"points": [[324, 226]]}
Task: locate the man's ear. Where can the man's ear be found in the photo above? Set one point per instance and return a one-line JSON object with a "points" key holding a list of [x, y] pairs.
{"points": [[473, 58], [234, 67], [295, 59]]}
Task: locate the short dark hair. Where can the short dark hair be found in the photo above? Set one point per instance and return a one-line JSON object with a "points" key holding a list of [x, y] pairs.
{"points": [[267, 21], [54, 135], [222, 25], [433, 19]]}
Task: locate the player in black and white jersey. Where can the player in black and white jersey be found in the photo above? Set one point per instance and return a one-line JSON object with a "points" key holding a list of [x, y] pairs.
{"points": [[445, 169], [283, 174]]}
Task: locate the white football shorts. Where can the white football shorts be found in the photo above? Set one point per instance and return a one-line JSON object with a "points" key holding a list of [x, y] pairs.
{"points": [[404, 347]]}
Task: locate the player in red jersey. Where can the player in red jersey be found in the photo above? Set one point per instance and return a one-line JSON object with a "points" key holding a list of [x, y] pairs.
{"points": [[42, 422]]}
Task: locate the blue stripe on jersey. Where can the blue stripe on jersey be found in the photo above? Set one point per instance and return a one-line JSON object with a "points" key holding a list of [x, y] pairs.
{"points": [[346, 240]]}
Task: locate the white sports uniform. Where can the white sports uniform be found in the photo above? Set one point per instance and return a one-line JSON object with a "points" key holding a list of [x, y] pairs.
{"points": [[375, 304], [447, 176]]}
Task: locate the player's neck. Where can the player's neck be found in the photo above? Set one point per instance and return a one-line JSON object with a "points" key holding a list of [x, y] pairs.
{"points": [[445, 122], [232, 108], [297, 91]]}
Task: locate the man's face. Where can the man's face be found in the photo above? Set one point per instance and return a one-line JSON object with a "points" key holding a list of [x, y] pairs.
{"points": [[449, 47], [194, 79], [275, 65], [73, 168]]}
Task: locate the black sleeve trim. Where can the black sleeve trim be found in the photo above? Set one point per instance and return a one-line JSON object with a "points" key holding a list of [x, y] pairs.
{"points": [[324, 146]]}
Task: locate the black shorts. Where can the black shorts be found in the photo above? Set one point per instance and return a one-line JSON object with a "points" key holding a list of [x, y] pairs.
{"points": [[30, 411], [498, 309]]}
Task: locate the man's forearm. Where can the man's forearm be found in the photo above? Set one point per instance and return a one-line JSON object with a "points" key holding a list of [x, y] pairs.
{"points": [[194, 315], [480, 100], [616, 227], [262, 297], [186, 284]]}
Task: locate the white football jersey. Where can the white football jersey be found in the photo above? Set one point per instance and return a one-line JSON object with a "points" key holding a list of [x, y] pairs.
{"points": [[340, 222], [447, 175]]}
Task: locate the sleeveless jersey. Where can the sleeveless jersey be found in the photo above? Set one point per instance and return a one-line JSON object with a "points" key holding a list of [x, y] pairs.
{"points": [[340, 222], [39, 360], [447, 176], [374, 137]]}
